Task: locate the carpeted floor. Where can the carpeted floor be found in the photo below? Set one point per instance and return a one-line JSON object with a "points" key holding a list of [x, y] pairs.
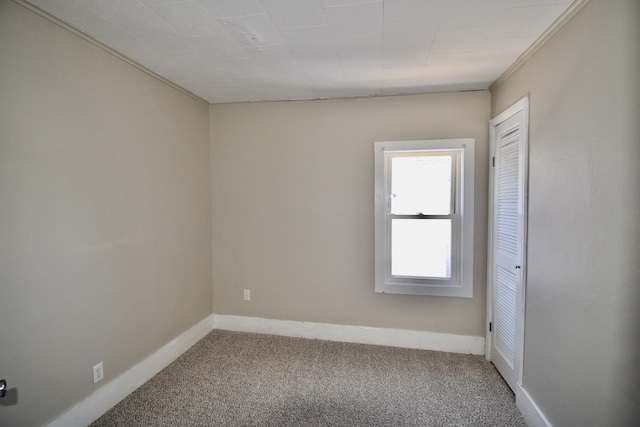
{"points": [[240, 379]]}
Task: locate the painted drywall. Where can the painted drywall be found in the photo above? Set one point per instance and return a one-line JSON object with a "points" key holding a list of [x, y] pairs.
{"points": [[582, 345], [105, 215], [293, 208]]}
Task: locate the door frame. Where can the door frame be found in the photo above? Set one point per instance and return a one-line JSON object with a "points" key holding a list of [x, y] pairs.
{"points": [[520, 105]]}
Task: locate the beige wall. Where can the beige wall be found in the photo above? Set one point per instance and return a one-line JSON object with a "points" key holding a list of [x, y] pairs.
{"points": [[293, 208], [105, 218], [582, 344]]}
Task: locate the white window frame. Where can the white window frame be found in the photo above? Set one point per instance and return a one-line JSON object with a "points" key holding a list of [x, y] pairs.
{"points": [[461, 282]]}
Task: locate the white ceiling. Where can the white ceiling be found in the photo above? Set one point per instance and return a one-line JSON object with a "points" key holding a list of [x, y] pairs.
{"points": [[254, 50]]}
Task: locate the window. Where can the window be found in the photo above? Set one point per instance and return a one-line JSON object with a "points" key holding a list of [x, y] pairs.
{"points": [[424, 217]]}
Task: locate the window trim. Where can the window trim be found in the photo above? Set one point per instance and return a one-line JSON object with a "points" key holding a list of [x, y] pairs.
{"points": [[462, 284]]}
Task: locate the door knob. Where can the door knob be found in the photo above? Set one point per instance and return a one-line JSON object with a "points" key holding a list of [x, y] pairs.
{"points": [[3, 388]]}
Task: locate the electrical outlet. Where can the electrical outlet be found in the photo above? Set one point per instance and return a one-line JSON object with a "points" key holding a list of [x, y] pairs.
{"points": [[247, 295], [98, 372]]}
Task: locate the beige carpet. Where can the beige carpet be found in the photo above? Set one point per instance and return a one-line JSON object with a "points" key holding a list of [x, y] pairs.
{"points": [[239, 379]]}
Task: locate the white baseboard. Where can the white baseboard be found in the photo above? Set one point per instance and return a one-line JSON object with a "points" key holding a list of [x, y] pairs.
{"points": [[107, 396], [356, 334], [530, 411]]}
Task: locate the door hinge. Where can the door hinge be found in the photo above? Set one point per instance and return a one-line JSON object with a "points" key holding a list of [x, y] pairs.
{"points": [[490, 327], [493, 161]]}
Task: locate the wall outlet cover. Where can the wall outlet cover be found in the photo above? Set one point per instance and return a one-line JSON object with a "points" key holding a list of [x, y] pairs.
{"points": [[98, 372]]}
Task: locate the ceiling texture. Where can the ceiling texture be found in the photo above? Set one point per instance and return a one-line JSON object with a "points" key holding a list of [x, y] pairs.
{"points": [[257, 50]]}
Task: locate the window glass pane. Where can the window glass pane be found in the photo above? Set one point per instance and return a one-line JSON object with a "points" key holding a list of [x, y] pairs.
{"points": [[421, 248], [421, 184]]}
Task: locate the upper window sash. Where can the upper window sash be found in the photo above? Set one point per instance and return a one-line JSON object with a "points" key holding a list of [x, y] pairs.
{"points": [[407, 171]]}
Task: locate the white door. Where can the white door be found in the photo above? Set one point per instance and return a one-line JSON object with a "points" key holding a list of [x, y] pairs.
{"points": [[507, 239]]}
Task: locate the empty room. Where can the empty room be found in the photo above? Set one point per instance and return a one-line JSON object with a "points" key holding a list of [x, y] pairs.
{"points": [[319, 212]]}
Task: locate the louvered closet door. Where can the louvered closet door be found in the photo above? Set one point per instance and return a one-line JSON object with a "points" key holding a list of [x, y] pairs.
{"points": [[507, 242]]}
